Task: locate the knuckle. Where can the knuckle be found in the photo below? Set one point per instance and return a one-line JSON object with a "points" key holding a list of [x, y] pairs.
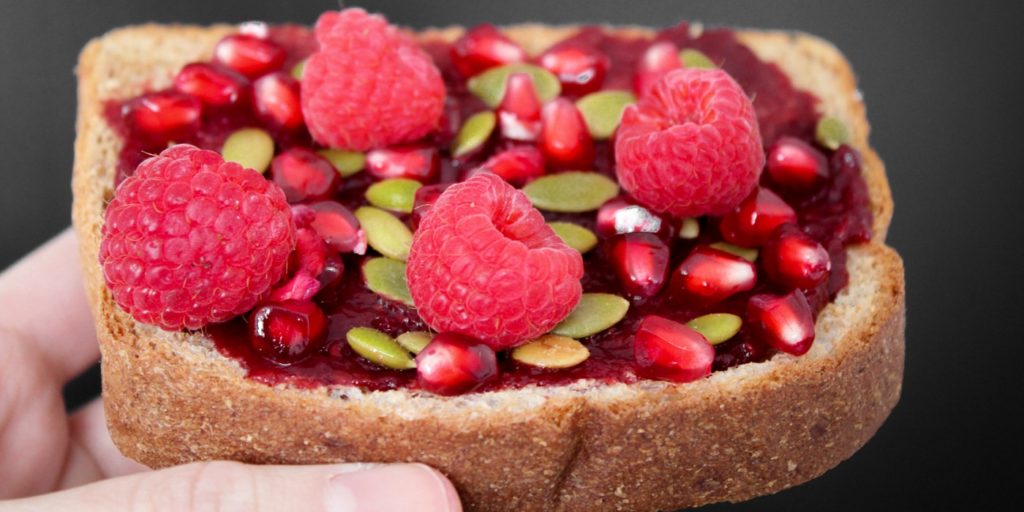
{"points": [[202, 487]]}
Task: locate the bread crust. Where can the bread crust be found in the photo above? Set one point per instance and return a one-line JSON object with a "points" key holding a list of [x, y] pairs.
{"points": [[755, 429]]}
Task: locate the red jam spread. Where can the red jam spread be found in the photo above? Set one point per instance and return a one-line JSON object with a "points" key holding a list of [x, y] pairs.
{"points": [[837, 214]]}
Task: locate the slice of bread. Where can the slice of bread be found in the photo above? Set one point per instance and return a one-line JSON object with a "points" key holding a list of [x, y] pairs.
{"points": [[751, 430]]}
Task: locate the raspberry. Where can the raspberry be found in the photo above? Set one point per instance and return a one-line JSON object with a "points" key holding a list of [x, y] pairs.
{"points": [[483, 263], [370, 85], [691, 146], [190, 239]]}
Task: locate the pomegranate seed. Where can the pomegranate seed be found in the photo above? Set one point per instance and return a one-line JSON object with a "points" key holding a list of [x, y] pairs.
{"points": [[304, 175], [162, 117], [660, 58], [619, 216], [740, 353], [519, 113], [784, 322], [641, 262], [276, 97], [794, 260], [484, 47], [453, 364], [581, 70], [249, 55], [756, 218], [424, 199], [420, 163], [287, 331], [338, 227], [564, 138], [708, 276], [334, 270], [795, 164], [668, 350], [301, 287], [518, 165], [216, 87]]}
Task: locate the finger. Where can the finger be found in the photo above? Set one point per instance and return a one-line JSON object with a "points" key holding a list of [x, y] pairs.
{"points": [[91, 453], [235, 486], [44, 305]]}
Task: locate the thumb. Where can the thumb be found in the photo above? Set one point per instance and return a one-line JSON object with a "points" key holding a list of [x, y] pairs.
{"points": [[232, 486]]}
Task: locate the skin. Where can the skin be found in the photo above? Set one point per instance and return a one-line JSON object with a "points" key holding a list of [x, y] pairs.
{"points": [[54, 461]]}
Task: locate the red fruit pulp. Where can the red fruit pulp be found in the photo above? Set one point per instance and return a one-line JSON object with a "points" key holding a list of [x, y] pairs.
{"points": [[564, 138], [425, 198], [518, 165], [276, 97], [794, 260], [484, 47], [453, 364], [339, 227], [249, 55], [708, 276], [641, 262], [580, 69], [161, 117], [660, 58], [785, 322], [287, 331], [795, 164], [420, 163], [216, 87], [756, 218], [304, 175], [519, 112], [668, 350]]}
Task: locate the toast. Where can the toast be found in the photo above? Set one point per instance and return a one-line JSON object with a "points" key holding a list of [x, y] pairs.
{"points": [[755, 429]]}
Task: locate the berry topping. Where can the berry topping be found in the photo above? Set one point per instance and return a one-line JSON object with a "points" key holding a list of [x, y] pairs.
{"points": [[709, 275], [641, 262], [369, 85], [668, 350], [453, 364], [691, 146], [216, 87], [580, 70], [484, 263], [249, 55], [424, 200], [338, 227], [519, 112], [420, 163], [161, 117], [755, 219], [304, 175], [287, 331], [785, 322], [656, 62], [190, 239], [619, 216], [564, 138], [794, 260], [276, 97], [795, 164], [518, 165], [484, 47]]}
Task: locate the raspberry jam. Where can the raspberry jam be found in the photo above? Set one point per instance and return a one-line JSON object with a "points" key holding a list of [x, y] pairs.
{"points": [[836, 214]]}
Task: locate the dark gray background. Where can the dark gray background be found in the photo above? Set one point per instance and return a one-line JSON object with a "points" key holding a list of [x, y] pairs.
{"points": [[944, 87]]}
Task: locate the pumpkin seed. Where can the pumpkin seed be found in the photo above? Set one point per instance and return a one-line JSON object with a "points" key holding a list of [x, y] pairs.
{"points": [[716, 327], [572, 192], [396, 194], [415, 341], [474, 133], [602, 111], [386, 277], [551, 351], [831, 133], [574, 235], [689, 228], [384, 232], [379, 348], [594, 313], [743, 252], [693, 58], [489, 86], [298, 69], [252, 148], [346, 163]]}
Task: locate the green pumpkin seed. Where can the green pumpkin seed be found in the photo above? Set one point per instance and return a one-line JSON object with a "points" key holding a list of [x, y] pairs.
{"points": [[415, 341], [743, 252], [252, 148], [386, 277], [716, 327], [379, 348], [551, 351], [692, 58], [298, 69], [384, 232], [602, 111], [489, 86], [346, 163], [395, 194], [575, 236], [689, 228], [572, 192], [831, 133], [474, 133], [594, 313]]}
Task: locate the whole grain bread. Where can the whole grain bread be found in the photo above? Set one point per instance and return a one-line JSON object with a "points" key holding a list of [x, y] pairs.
{"points": [[751, 430]]}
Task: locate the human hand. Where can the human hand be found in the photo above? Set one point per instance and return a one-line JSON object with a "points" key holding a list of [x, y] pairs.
{"points": [[47, 337]]}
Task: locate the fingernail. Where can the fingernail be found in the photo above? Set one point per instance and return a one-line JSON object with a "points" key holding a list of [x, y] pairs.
{"points": [[391, 487]]}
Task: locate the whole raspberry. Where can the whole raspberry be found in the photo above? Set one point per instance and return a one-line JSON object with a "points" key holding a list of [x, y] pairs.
{"points": [[190, 239], [691, 146], [370, 85], [483, 263]]}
